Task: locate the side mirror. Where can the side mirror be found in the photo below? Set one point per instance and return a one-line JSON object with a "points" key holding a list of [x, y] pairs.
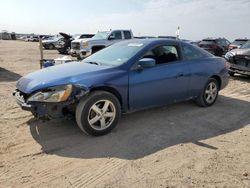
{"points": [[111, 37], [147, 62]]}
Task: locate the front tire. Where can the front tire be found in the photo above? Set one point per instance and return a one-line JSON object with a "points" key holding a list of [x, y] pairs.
{"points": [[209, 93], [98, 113]]}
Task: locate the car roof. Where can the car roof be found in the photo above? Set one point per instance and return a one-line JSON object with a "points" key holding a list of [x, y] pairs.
{"points": [[154, 41], [208, 39]]}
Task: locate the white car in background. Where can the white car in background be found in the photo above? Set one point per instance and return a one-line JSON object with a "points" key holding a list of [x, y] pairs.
{"points": [[50, 43], [82, 48]]}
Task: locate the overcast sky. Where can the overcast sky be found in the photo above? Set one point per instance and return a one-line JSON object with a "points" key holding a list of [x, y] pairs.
{"points": [[196, 18]]}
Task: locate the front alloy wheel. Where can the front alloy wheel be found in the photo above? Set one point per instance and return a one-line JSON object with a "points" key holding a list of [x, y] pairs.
{"points": [[101, 114], [98, 113]]}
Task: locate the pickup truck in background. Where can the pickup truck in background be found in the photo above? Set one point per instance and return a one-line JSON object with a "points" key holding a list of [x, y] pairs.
{"points": [[82, 48]]}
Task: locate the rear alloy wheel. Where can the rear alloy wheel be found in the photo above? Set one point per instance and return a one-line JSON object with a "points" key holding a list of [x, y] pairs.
{"points": [[209, 94], [98, 113]]}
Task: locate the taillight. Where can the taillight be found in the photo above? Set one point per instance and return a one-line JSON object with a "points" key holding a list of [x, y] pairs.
{"points": [[231, 46]]}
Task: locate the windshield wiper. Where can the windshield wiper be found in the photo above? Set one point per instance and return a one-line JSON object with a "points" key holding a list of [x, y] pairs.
{"points": [[95, 63]]}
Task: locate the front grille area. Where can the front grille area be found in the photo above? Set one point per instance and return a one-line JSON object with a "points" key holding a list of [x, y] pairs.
{"points": [[75, 45], [242, 60], [21, 97], [21, 94]]}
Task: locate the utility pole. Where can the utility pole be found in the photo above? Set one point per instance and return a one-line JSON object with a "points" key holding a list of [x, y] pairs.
{"points": [[41, 52], [177, 33]]}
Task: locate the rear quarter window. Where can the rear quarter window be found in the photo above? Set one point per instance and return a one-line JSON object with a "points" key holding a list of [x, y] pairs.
{"points": [[191, 52]]}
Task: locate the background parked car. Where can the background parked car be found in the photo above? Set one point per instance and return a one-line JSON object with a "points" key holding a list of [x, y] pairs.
{"points": [[46, 37], [50, 43], [237, 43], [27, 38], [63, 44], [82, 48], [216, 46], [239, 60], [33, 39]]}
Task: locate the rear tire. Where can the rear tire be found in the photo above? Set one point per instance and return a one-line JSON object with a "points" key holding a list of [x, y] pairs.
{"points": [[209, 94], [98, 113], [51, 47]]}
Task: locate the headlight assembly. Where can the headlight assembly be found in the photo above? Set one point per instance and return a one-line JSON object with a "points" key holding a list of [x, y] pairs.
{"points": [[85, 44], [53, 94]]}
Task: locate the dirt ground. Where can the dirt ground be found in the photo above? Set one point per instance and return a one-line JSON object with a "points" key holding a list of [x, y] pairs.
{"points": [[180, 145]]}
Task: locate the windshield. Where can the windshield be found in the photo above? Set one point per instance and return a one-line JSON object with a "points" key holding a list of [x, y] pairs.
{"points": [[239, 42], [101, 35], [76, 36], [86, 36], [53, 38], [116, 54], [246, 45]]}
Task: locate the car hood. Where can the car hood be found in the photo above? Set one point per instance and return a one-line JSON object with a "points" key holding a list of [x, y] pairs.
{"points": [[66, 36], [69, 73]]}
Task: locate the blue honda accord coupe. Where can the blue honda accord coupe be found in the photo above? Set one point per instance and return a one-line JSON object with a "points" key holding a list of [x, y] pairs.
{"points": [[125, 77]]}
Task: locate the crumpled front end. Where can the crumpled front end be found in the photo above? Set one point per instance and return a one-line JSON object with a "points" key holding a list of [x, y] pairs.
{"points": [[49, 110], [239, 63]]}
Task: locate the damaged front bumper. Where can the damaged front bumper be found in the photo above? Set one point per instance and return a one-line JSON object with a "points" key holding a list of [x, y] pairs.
{"points": [[239, 64], [239, 69], [49, 110]]}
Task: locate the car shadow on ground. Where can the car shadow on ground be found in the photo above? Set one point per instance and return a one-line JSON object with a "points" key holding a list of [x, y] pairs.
{"points": [[146, 132], [7, 76]]}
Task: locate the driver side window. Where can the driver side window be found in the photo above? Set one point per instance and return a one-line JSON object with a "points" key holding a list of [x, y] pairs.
{"points": [[163, 54]]}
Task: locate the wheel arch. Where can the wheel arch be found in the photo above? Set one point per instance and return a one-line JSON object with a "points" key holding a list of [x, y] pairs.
{"points": [[110, 90], [218, 80]]}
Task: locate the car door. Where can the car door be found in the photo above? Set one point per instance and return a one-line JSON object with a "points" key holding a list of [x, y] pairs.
{"points": [[164, 83]]}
